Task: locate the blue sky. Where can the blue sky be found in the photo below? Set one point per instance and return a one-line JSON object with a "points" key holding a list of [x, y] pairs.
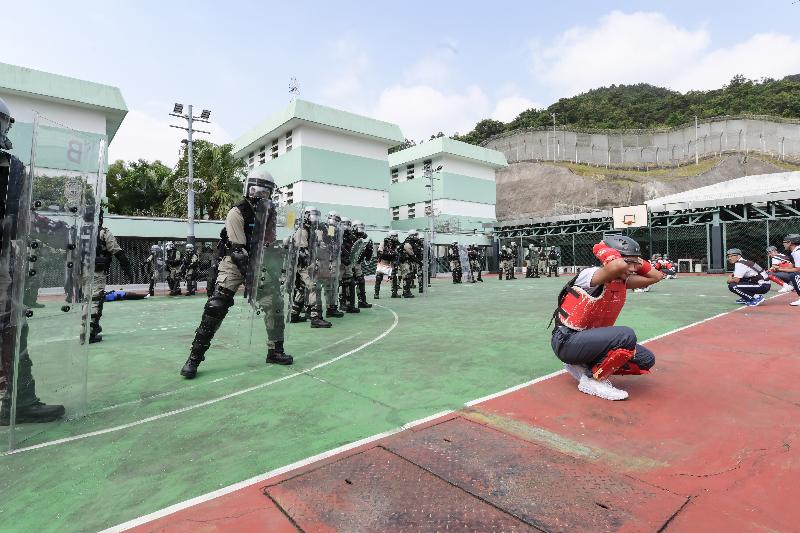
{"points": [[428, 66]]}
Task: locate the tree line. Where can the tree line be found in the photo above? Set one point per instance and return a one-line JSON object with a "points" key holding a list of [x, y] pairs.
{"points": [[644, 106], [148, 188]]}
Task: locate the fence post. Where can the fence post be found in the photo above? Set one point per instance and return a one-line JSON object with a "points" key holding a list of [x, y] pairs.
{"points": [[574, 259], [666, 252]]}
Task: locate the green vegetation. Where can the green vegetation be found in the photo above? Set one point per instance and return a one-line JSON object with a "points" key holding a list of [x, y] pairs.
{"points": [[145, 188], [683, 171], [646, 106]]}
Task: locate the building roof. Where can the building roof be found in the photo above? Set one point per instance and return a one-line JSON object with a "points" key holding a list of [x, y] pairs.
{"points": [[54, 87], [448, 146], [749, 189], [302, 111]]}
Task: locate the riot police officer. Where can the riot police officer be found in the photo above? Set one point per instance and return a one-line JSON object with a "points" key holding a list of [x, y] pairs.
{"points": [[12, 186], [505, 259], [512, 259], [153, 267], [454, 257], [189, 267], [532, 260], [173, 260], [387, 263], [237, 242], [332, 235], [305, 287], [552, 262], [107, 248], [409, 262], [358, 266], [347, 295], [474, 256]]}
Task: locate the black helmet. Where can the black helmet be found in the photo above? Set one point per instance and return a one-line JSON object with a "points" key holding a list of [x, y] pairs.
{"points": [[6, 120], [624, 245]]}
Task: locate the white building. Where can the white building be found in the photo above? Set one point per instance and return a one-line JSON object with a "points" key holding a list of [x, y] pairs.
{"points": [[331, 159]]}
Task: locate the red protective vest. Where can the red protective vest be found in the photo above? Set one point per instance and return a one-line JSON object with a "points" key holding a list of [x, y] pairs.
{"points": [[580, 311]]}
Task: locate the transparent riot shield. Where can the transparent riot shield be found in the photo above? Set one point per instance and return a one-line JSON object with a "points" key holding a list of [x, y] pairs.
{"points": [[269, 282], [46, 284], [333, 239], [423, 268], [464, 259]]}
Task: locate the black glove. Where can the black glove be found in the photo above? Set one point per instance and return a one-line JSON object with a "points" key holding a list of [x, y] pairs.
{"points": [[303, 257], [125, 264], [240, 258]]}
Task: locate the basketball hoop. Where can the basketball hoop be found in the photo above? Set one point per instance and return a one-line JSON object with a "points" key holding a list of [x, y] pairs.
{"points": [[629, 219]]}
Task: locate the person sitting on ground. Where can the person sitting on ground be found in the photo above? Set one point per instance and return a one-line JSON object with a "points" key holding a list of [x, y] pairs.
{"points": [[790, 273], [748, 280], [116, 296], [778, 259], [585, 338]]}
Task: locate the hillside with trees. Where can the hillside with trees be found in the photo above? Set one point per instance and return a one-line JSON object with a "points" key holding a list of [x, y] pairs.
{"points": [[647, 106]]}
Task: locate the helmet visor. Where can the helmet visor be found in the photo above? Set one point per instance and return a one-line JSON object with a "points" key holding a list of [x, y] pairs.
{"points": [[259, 192]]}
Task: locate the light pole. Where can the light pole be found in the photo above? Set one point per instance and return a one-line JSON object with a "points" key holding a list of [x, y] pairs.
{"points": [[554, 136], [696, 156], [428, 172], [189, 181]]}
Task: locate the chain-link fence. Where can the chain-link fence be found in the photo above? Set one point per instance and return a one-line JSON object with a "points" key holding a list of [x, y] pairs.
{"points": [[688, 246]]}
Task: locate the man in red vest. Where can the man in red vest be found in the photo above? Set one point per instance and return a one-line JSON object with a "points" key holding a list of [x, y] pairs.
{"points": [[585, 337]]}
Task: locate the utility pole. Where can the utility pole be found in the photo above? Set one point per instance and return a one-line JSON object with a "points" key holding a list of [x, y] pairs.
{"points": [[554, 136], [429, 171], [696, 156], [189, 182]]}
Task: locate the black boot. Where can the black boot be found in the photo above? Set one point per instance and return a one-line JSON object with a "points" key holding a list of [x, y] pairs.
{"points": [[334, 313], [31, 414], [189, 370], [317, 321], [407, 289], [278, 356], [95, 329], [296, 318], [213, 314], [362, 294]]}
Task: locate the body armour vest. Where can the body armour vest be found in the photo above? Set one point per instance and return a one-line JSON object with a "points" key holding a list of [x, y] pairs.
{"points": [[578, 310]]}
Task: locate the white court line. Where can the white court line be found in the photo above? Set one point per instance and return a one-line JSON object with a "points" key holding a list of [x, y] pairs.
{"points": [[205, 383], [207, 402], [304, 462]]}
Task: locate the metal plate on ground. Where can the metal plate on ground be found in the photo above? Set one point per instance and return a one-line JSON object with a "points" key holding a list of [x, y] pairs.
{"points": [[378, 491], [546, 488]]}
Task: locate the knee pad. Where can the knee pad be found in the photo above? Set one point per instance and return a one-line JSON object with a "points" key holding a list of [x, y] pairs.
{"points": [[615, 359], [219, 303]]}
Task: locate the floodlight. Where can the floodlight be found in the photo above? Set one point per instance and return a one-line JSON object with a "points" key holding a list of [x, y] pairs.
{"points": [[205, 114], [178, 108]]}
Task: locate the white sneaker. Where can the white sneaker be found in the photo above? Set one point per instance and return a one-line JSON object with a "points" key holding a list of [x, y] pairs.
{"points": [[602, 389], [576, 371], [796, 302], [786, 288]]}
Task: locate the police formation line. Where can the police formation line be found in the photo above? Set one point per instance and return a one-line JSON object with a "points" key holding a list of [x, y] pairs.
{"points": [[321, 265]]}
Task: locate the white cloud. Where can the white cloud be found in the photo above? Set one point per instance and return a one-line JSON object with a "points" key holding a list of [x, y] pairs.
{"points": [[507, 109], [648, 47], [349, 62], [763, 55], [421, 110], [622, 48], [434, 68], [142, 136]]}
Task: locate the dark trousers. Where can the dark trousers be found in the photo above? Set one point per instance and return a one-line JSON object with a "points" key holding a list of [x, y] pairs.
{"points": [[793, 278], [589, 347], [749, 290]]}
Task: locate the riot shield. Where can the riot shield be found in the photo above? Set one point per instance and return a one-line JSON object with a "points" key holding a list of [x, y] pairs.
{"points": [[48, 247], [357, 251], [269, 283], [464, 259], [424, 269]]}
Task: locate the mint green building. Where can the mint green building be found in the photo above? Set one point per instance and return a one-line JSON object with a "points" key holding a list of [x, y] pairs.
{"points": [[463, 195], [85, 106], [325, 157]]}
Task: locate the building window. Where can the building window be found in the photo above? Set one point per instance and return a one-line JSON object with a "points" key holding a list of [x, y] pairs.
{"points": [[395, 213], [274, 149], [251, 159], [262, 155], [410, 172], [427, 164], [289, 141], [411, 210], [395, 175], [428, 210]]}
